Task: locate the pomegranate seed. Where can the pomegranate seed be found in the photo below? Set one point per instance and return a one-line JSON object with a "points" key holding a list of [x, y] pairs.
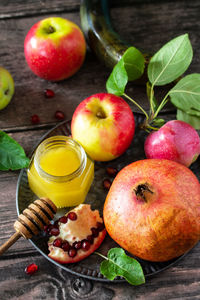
{"points": [[55, 225], [111, 171], [72, 216], [65, 246], [35, 119], [90, 239], [86, 245], [57, 242], [46, 229], [54, 231], [59, 115], [107, 184], [95, 232], [77, 245], [63, 219], [72, 252], [49, 93], [31, 269], [100, 226]]}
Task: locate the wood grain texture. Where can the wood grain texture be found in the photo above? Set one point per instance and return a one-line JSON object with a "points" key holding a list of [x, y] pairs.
{"points": [[23, 8], [146, 24], [142, 26]]}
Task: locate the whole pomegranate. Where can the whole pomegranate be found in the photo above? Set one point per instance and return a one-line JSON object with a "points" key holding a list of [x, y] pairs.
{"points": [[153, 209]]}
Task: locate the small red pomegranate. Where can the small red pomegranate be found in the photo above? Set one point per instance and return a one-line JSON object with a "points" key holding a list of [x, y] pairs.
{"points": [[81, 232]]}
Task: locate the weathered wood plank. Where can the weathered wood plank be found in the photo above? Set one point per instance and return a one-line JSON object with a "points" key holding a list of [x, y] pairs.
{"points": [[38, 7], [173, 19], [50, 282], [29, 8], [8, 184]]}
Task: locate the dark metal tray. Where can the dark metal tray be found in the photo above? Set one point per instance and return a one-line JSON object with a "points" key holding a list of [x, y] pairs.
{"points": [[89, 267]]}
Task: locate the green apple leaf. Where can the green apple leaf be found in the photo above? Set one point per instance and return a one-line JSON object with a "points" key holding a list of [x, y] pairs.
{"points": [[130, 67], [158, 122], [12, 155], [171, 61], [192, 120], [185, 95], [117, 80], [117, 263], [134, 63]]}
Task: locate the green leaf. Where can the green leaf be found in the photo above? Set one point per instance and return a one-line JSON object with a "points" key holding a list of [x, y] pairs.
{"points": [[118, 263], [117, 80], [192, 120], [12, 155], [134, 63], [130, 67], [154, 101], [171, 61], [158, 122], [192, 111], [185, 95]]}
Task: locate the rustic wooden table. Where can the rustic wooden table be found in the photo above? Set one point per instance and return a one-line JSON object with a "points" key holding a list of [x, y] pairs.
{"points": [[147, 24]]}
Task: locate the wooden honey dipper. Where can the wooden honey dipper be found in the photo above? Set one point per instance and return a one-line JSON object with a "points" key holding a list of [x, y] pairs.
{"points": [[31, 221]]}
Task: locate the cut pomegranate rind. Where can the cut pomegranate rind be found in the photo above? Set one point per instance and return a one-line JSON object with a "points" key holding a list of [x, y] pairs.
{"points": [[62, 257], [75, 231]]}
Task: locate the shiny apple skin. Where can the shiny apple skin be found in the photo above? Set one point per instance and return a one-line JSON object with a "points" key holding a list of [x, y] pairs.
{"points": [[7, 87], [106, 137], [167, 223], [58, 55], [176, 140]]}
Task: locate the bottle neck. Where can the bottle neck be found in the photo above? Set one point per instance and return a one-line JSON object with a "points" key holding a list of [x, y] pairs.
{"points": [[53, 143]]}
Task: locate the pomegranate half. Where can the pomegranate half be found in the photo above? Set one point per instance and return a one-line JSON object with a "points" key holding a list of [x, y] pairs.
{"points": [[76, 235]]}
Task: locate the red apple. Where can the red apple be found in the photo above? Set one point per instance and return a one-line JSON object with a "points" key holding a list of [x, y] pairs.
{"points": [[176, 140], [153, 209], [104, 125], [54, 48]]}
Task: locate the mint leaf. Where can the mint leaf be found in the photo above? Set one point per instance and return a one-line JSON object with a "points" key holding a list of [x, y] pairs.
{"points": [[192, 120], [117, 263], [185, 95], [12, 155], [117, 80], [134, 63], [171, 61]]}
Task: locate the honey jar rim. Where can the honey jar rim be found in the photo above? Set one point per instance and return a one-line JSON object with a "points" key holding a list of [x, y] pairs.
{"points": [[61, 141]]}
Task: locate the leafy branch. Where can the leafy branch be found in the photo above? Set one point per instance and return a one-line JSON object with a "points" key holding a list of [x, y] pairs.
{"points": [[167, 65]]}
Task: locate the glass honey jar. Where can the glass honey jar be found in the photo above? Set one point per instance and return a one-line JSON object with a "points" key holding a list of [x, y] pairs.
{"points": [[61, 170]]}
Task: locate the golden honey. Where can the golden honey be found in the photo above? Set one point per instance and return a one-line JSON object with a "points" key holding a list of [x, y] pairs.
{"points": [[61, 170]]}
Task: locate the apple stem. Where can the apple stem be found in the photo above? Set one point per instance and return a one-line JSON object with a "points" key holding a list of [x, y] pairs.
{"points": [[144, 112], [50, 29], [162, 104], [101, 114]]}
